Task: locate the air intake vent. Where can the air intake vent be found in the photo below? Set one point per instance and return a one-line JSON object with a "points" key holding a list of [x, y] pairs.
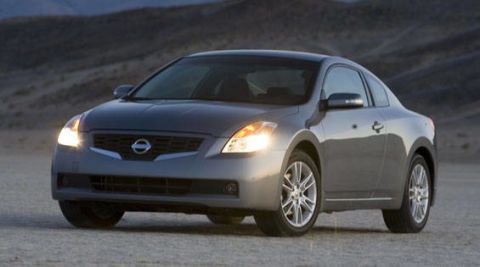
{"points": [[160, 186], [147, 185]]}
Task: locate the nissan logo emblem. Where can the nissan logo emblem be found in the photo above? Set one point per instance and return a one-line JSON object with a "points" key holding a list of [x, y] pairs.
{"points": [[141, 146]]}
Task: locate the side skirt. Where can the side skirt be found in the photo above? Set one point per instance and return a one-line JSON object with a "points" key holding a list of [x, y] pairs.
{"points": [[342, 204]]}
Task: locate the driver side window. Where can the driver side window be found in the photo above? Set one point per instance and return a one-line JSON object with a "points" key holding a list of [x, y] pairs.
{"points": [[344, 80]]}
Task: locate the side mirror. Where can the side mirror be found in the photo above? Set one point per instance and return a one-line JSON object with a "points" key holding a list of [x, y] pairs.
{"points": [[122, 90], [344, 101]]}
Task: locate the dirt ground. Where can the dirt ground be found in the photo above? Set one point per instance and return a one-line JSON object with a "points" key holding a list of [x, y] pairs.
{"points": [[33, 231]]}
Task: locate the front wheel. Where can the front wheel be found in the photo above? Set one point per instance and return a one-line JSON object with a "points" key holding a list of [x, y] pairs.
{"points": [[299, 200], [413, 214], [93, 215]]}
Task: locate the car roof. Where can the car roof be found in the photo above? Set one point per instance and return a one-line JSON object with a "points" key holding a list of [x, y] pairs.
{"points": [[319, 58], [264, 53]]}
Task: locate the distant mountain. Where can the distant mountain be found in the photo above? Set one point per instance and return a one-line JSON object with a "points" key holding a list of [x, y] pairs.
{"points": [[426, 51], [16, 8], [52, 68]]}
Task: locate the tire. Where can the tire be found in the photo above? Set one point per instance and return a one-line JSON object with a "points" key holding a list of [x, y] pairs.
{"points": [[95, 215], [403, 219], [223, 219], [283, 221]]}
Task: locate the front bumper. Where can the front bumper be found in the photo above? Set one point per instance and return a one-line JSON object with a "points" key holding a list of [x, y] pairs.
{"points": [[257, 175]]}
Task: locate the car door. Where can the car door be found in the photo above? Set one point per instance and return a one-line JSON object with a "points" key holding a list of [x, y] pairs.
{"points": [[354, 140]]}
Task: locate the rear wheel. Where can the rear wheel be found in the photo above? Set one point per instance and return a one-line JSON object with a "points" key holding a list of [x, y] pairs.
{"points": [[95, 215], [299, 200], [224, 219], [413, 214]]}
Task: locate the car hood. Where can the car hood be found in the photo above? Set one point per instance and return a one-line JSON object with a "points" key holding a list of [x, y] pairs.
{"points": [[219, 119]]}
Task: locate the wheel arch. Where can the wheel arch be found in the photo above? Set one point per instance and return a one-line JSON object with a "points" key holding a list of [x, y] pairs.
{"points": [[426, 149], [309, 143], [309, 148]]}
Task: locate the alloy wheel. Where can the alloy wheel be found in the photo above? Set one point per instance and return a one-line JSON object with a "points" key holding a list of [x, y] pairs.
{"points": [[299, 194], [419, 193]]}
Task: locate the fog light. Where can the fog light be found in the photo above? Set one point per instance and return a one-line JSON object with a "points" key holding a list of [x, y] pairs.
{"points": [[231, 188]]}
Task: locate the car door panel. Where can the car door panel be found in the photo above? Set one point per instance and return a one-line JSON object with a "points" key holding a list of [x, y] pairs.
{"points": [[354, 139], [354, 152]]}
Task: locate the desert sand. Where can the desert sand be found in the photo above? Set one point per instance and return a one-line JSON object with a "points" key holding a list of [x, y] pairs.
{"points": [[34, 232]]}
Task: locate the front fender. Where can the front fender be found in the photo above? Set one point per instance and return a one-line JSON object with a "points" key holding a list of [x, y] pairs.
{"points": [[303, 135]]}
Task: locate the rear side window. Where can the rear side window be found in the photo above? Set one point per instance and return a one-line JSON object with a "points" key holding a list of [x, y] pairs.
{"points": [[344, 80], [378, 92]]}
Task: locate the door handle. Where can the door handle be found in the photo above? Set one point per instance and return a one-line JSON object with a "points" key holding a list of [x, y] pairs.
{"points": [[377, 126]]}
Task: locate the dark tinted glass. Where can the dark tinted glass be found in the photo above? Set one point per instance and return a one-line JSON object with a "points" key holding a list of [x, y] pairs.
{"points": [[378, 92], [344, 80], [262, 80]]}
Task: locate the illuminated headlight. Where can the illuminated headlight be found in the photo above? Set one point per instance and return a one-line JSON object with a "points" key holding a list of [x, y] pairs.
{"points": [[69, 134], [251, 138]]}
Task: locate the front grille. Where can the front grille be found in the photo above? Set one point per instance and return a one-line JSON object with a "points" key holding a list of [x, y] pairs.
{"points": [[122, 144], [145, 185]]}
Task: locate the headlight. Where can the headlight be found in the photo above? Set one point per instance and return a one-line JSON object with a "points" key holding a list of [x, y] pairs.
{"points": [[251, 138], [69, 134]]}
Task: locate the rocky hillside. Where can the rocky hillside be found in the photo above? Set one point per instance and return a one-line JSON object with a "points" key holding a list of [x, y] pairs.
{"points": [[427, 51]]}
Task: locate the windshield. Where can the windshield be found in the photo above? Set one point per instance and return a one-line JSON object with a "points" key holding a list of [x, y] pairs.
{"points": [[263, 80]]}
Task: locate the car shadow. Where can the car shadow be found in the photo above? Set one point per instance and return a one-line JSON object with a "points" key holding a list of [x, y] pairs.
{"points": [[193, 229], [57, 222], [236, 230], [351, 230]]}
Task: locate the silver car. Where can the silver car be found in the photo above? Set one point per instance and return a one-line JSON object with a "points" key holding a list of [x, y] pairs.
{"points": [[278, 135]]}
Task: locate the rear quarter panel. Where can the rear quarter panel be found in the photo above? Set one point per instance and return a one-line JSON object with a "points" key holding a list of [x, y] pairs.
{"points": [[407, 131]]}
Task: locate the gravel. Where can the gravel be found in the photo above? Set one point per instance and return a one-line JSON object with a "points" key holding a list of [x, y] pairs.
{"points": [[33, 231]]}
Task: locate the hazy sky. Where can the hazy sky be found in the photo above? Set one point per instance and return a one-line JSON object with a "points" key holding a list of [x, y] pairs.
{"points": [[14, 8]]}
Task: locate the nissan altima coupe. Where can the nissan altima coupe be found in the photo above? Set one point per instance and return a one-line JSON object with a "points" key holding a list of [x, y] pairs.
{"points": [[279, 135]]}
